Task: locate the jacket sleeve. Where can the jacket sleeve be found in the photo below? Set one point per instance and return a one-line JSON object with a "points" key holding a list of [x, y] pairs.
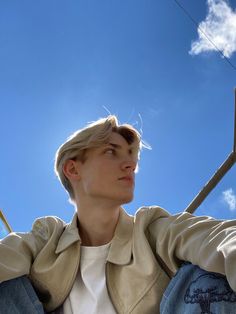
{"points": [[203, 241], [18, 250]]}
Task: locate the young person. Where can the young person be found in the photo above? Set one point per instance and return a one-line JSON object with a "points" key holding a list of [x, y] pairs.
{"points": [[106, 261]]}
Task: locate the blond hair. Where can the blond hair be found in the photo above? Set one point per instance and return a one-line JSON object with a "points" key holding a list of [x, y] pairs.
{"points": [[93, 135]]}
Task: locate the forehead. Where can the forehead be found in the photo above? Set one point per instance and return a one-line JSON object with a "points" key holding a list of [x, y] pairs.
{"points": [[116, 138], [116, 141]]}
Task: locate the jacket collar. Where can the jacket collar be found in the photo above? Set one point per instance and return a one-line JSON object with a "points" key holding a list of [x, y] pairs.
{"points": [[121, 245], [69, 236]]}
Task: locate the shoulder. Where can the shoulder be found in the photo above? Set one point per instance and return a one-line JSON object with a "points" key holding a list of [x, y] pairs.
{"points": [[152, 212], [45, 226], [149, 214]]}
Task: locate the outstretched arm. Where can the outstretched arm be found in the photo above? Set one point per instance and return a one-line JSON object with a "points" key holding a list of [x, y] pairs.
{"points": [[203, 241]]}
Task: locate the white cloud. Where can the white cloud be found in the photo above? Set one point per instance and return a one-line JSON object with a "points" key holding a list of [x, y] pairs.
{"points": [[230, 198], [220, 27]]}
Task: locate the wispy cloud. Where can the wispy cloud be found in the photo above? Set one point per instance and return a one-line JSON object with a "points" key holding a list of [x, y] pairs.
{"points": [[230, 198], [220, 27]]}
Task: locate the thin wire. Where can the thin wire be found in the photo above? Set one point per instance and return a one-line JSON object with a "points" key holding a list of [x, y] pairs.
{"points": [[234, 149], [207, 37]]}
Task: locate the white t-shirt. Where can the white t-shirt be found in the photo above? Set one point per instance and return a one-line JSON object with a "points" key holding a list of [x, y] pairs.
{"points": [[89, 293]]}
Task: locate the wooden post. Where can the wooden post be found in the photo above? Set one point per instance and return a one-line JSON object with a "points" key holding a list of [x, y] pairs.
{"points": [[218, 175], [2, 217]]}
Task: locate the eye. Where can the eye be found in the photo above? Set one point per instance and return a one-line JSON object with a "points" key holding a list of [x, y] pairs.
{"points": [[110, 151]]}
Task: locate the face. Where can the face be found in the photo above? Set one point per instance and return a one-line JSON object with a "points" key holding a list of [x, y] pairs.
{"points": [[108, 172]]}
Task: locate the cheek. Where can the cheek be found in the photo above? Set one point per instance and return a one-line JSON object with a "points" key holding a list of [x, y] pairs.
{"points": [[95, 179], [99, 175], [105, 170]]}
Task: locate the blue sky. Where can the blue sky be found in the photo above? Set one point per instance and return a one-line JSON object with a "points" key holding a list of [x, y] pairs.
{"points": [[65, 63]]}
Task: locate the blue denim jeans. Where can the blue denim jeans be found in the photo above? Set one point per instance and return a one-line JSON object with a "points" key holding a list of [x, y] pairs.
{"points": [[17, 296], [191, 291], [195, 291]]}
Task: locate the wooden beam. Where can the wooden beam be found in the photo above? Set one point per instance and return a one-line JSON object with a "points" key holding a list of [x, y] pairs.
{"points": [[2, 217], [218, 175]]}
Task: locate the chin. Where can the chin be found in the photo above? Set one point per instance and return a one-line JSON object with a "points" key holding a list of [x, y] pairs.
{"points": [[127, 199]]}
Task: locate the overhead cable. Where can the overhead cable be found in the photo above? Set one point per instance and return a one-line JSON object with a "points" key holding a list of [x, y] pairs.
{"points": [[204, 33]]}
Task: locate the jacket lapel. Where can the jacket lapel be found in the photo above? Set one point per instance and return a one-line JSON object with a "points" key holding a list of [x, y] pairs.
{"points": [[69, 236], [121, 244]]}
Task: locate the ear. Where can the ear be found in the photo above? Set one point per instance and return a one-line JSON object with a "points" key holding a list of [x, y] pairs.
{"points": [[71, 169]]}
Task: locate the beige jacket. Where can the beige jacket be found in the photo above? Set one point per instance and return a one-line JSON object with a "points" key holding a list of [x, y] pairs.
{"points": [[145, 252]]}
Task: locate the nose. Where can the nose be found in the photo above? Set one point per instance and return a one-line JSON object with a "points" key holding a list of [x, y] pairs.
{"points": [[129, 165]]}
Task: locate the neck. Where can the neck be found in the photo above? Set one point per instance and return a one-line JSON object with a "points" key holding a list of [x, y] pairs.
{"points": [[97, 224]]}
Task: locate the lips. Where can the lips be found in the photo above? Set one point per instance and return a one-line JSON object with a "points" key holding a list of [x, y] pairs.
{"points": [[128, 179]]}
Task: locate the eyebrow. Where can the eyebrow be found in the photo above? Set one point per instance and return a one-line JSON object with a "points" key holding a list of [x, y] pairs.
{"points": [[117, 146]]}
